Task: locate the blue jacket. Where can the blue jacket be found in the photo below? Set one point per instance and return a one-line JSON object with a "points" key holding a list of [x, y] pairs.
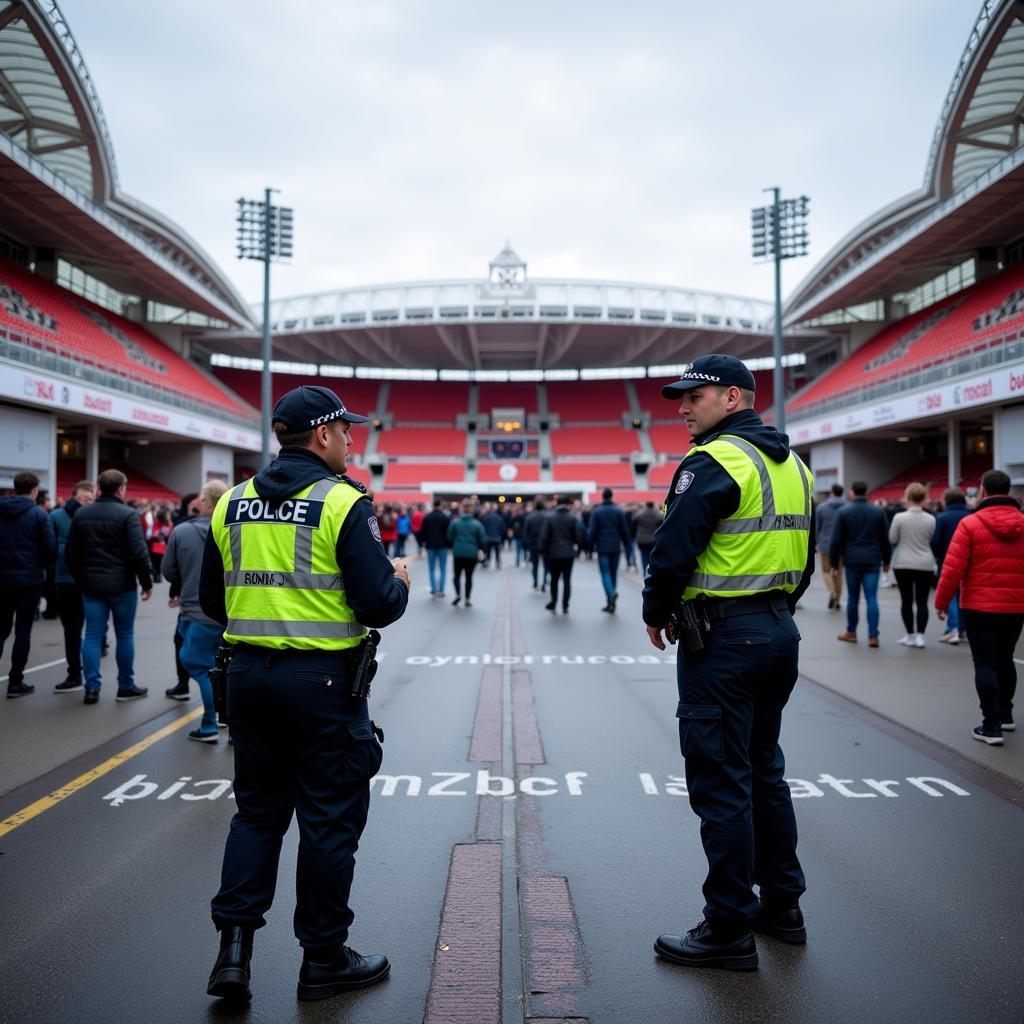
{"points": [[494, 527], [27, 542], [609, 531], [946, 523], [61, 520], [860, 536]]}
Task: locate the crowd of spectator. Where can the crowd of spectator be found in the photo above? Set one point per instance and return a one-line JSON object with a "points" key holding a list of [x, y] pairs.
{"points": [[970, 552]]}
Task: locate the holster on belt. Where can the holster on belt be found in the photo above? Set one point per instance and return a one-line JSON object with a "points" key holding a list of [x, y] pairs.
{"points": [[219, 678], [366, 666], [688, 624]]}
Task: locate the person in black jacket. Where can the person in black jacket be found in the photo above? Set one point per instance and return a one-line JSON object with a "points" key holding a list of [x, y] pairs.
{"points": [[860, 541], [28, 546], [106, 553], [532, 526], [561, 537], [946, 523], [433, 536]]}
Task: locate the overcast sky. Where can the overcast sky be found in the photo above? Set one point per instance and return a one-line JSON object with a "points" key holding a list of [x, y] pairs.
{"points": [[624, 140]]}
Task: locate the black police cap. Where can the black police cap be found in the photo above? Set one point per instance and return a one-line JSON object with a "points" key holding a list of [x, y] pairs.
{"points": [[310, 406], [715, 368]]}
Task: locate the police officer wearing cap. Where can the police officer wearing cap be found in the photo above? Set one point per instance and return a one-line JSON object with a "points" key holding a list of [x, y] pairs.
{"points": [[729, 562], [295, 570]]}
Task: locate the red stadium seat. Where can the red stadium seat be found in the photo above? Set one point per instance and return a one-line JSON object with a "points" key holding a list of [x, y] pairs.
{"points": [[661, 476], [974, 318], [587, 401], [49, 316], [507, 396], [422, 441], [358, 395], [413, 401], [594, 441], [670, 440], [406, 474]]}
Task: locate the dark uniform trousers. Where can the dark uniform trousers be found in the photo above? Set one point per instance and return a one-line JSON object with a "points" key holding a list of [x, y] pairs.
{"points": [[731, 697], [302, 743]]}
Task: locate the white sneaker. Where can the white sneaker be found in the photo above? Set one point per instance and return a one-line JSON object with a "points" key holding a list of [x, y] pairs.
{"points": [[919, 639], [953, 639], [907, 641]]}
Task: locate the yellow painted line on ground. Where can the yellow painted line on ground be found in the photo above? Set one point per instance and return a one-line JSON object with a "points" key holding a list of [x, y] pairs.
{"points": [[52, 799]]}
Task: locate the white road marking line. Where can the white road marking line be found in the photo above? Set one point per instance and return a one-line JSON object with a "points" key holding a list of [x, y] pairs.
{"points": [[38, 668]]}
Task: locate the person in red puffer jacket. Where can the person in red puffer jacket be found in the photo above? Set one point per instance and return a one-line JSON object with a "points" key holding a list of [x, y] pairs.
{"points": [[985, 561]]}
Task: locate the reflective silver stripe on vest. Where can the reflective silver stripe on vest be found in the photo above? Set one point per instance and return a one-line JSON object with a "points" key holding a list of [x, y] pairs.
{"points": [[764, 524], [807, 487], [707, 581], [304, 536], [295, 580], [295, 630], [767, 494], [235, 532]]}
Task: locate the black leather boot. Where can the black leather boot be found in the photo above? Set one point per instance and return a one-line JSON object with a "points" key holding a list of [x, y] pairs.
{"points": [[783, 923], [346, 971], [701, 947], [229, 978]]}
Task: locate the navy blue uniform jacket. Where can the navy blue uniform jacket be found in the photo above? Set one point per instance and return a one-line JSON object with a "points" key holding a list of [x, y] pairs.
{"points": [[372, 590], [694, 512]]}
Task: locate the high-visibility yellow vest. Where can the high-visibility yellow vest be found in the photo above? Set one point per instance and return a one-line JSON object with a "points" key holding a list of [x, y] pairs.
{"points": [[763, 545], [282, 584]]}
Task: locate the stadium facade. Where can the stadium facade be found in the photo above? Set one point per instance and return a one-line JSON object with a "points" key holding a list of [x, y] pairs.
{"points": [[122, 343]]}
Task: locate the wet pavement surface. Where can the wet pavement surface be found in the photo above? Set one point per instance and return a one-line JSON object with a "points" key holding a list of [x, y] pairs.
{"points": [[529, 836]]}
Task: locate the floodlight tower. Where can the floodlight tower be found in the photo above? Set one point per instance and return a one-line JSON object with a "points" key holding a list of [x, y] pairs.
{"points": [[779, 233], [264, 233]]}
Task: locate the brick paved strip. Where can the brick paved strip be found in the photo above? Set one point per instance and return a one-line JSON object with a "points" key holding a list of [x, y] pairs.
{"points": [[466, 986], [488, 817], [525, 730], [555, 962], [485, 743]]}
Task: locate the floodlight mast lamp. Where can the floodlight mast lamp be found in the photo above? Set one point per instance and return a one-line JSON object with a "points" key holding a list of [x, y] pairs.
{"points": [[264, 232], [779, 233]]}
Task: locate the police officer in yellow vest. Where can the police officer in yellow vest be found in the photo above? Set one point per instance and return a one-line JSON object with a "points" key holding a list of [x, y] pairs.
{"points": [[732, 556], [295, 569]]}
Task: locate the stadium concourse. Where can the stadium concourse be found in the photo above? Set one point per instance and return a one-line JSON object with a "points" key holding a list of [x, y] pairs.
{"points": [[529, 834]]}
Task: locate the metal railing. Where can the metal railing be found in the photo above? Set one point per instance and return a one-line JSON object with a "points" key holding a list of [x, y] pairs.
{"points": [[995, 351], [39, 354]]}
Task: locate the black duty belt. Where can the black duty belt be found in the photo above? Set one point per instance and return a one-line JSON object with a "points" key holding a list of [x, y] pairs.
{"points": [[727, 608]]}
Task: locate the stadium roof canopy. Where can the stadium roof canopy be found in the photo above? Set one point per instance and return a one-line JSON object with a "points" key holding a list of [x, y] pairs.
{"points": [[973, 191], [58, 178], [508, 321]]}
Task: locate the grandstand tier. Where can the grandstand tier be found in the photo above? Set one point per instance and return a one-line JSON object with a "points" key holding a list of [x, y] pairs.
{"points": [[358, 395], [980, 316], [611, 440], [933, 473], [671, 440], [507, 396], [46, 316], [439, 401], [661, 476], [422, 441], [587, 401], [406, 474], [70, 471]]}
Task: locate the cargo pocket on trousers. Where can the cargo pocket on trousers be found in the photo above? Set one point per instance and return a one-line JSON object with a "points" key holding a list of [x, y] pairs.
{"points": [[700, 731], [363, 754]]}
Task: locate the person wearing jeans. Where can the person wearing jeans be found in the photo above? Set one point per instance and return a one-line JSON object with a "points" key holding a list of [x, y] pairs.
{"points": [[99, 609], [433, 534], [608, 533], [200, 635], [985, 561], [955, 508], [28, 547], [106, 554], [860, 543]]}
